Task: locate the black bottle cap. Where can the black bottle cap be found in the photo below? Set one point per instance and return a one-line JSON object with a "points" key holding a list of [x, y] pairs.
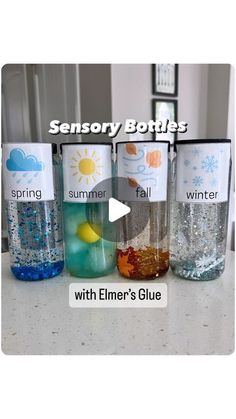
{"points": [[201, 141], [144, 141], [82, 143], [54, 148]]}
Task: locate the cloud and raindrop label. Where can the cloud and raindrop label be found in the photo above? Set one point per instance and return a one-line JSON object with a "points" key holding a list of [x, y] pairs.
{"points": [[28, 172], [145, 167], [202, 172]]}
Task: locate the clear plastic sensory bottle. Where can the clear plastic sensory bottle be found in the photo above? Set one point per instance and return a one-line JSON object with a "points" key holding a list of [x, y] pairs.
{"points": [[142, 251], [87, 174], [199, 208], [32, 189]]}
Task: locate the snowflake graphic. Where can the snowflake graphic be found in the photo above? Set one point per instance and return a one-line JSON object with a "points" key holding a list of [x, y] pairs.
{"points": [[213, 182], [186, 163], [197, 181], [196, 151], [210, 164], [185, 181], [205, 261], [194, 167]]}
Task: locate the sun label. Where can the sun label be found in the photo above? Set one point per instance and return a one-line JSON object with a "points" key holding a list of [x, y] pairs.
{"points": [[84, 167], [202, 172], [145, 166], [27, 172]]}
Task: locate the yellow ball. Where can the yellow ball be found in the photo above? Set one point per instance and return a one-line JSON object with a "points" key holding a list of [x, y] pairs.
{"points": [[88, 234]]}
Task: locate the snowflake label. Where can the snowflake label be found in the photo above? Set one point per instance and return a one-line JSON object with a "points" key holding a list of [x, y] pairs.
{"points": [[202, 173]]}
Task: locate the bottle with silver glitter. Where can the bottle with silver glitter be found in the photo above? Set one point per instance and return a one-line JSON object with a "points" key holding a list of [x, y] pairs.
{"points": [[33, 191], [199, 199], [142, 173]]}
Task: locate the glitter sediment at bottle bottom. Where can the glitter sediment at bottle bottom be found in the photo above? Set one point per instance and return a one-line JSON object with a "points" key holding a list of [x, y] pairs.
{"points": [[35, 239], [189, 269], [36, 273], [145, 255], [145, 263]]}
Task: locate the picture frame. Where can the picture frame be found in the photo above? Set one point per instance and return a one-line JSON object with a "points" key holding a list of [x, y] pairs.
{"points": [[165, 79], [163, 109]]}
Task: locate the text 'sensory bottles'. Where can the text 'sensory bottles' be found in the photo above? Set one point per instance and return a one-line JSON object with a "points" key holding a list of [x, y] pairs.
{"points": [[34, 210], [144, 166], [200, 183], [87, 174]]}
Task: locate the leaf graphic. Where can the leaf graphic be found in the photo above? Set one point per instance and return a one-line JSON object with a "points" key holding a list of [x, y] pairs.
{"points": [[153, 158], [131, 148], [132, 182], [124, 266]]}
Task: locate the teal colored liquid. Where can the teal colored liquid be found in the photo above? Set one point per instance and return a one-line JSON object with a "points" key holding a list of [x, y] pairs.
{"points": [[86, 256]]}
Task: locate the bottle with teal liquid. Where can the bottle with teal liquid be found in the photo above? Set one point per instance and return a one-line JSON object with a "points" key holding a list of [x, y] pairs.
{"points": [[87, 173], [33, 191]]}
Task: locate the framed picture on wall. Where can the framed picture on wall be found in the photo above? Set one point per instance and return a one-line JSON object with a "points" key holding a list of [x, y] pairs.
{"points": [[163, 109], [165, 79]]}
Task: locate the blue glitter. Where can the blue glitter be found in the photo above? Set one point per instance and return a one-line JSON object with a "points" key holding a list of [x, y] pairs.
{"points": [[39, 272], [35, 238]]}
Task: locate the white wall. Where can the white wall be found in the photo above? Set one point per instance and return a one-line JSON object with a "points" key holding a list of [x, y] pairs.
{"points": [[192, 100], [15, 104], [33, 95], [218, 100], [95, 97], [132, 95]]}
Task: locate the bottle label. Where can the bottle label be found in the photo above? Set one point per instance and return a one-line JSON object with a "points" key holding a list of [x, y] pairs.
{"points": [[145, 166], [87, 172], [28, 172], [202, 172]]}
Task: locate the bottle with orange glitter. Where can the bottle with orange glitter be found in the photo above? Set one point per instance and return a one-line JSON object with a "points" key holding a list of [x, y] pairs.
{"points": [[142, 173]]}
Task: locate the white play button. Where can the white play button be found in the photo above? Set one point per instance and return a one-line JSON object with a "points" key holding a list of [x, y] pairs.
{"points": [[117, 210]]}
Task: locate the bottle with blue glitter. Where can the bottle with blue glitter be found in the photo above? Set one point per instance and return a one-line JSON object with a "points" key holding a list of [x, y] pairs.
{"points": [[199, 208], [32, 188]]}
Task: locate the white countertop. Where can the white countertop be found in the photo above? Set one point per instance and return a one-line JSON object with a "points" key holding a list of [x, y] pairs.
{"points": [[37, 319]]}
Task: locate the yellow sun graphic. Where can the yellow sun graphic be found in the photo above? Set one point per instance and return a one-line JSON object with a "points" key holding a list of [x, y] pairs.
{"points": [[86, 166]]}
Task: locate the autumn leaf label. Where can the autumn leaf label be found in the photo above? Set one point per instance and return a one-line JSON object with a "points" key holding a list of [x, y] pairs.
{"points": [[132, 182], [125, 267], [131, 149], [153, 158]]}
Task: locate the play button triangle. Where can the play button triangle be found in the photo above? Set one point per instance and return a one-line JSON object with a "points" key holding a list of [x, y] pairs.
{"points": [[117, 210]]}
